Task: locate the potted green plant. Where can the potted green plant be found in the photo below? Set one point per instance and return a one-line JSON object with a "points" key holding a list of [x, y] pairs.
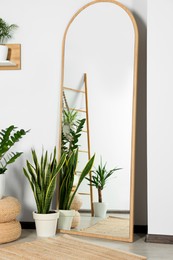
{"points": [[41, 175], [99, 179], [67, 192], [8, 137], [6, 32], [72, 128]]}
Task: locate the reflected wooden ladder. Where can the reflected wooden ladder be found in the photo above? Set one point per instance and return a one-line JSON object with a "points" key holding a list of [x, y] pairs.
{"points": [[85, 93]]}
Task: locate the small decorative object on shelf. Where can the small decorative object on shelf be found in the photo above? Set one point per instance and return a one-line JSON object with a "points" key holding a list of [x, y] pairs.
{"points": [[6, 32], [9, 53]]}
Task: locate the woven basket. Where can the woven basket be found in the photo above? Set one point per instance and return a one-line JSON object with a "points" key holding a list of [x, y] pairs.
{"points": [[9, 231], [76, 220], [9, 209], [77, 202]]}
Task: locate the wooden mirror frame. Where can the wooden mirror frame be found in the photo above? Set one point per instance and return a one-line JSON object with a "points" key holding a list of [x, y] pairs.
{"points": [[134, 106]]}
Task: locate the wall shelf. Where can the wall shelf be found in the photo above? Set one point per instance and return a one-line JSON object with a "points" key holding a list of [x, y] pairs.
{"points": [[13, 61]]}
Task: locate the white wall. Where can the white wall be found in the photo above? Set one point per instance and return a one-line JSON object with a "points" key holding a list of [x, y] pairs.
{"points": [[160, 117], [30, 96]]}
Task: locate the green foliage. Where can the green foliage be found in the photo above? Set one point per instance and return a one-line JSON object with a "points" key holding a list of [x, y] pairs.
{"points": [[70, 117], [71, 130], [99, 178], [8, 137], [6, 30], [67, 178], [42, 178]]}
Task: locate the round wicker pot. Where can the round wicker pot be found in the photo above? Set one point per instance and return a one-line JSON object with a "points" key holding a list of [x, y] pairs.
{"points": [[10, 231], [76, 220], [46, 224], [10, 208]]}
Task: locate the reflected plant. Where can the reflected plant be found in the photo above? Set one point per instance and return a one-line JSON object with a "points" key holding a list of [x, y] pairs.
{"points": [[71, 130], [67, 178], [100, 177]]}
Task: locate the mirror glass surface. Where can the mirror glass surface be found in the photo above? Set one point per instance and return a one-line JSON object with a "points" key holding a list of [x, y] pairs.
{"points": [[100, 42]]}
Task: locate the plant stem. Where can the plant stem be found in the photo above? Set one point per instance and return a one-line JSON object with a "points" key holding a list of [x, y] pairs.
{"points": [[100, 195]]}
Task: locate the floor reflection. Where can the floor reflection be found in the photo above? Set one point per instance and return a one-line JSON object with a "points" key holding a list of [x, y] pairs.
{"points": [[116, 225]]}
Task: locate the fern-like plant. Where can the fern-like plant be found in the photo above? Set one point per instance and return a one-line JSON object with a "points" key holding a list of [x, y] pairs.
{"points": [[99, 178], [42, 178], [8, 137], [6, 30], [67, 179]]}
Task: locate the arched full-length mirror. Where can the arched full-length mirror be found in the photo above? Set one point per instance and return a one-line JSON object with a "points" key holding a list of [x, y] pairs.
{"points": [[99, 78]]}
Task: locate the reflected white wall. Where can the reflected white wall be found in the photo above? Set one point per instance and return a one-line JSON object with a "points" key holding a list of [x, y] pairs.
{"points": [[104, 49]]}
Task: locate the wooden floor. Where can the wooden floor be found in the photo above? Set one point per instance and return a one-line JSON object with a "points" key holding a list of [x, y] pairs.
{"points": [[151, 250]]}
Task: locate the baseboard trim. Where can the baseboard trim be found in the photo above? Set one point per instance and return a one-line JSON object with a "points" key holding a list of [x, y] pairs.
{"points": [[109, 211], [163, 239], [140, 229], [27, 225]]}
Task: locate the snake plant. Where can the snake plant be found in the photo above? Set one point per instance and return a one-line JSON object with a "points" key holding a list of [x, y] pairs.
{"points": [[42, 178], [8, 137], [67, 178]]}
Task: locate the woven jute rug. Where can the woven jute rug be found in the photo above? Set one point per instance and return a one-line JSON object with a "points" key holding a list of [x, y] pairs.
{"points": [[112, 226], [63, 247]]}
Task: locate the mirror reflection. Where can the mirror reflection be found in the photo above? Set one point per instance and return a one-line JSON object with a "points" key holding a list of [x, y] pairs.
{"points": [[98, 116]]}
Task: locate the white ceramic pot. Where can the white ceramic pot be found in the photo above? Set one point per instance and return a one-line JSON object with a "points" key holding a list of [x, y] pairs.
{"points": [[100, 209], [3, 52], [46, 224], [2, 185], [65, 219]]}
